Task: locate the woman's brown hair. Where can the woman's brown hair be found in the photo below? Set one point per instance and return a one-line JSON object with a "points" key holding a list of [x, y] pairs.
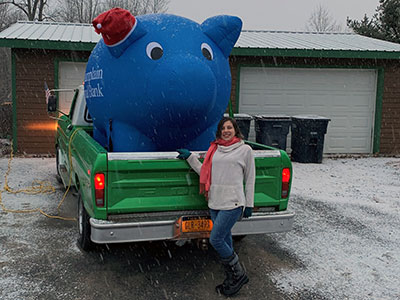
{"points": [[235, 126]]}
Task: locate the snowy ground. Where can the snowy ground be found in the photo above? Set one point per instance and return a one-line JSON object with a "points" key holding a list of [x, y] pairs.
{"points": [[347, 232], [345, 243]]}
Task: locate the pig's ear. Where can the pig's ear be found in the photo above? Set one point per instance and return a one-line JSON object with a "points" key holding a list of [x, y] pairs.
{"points": [[223, 30]]}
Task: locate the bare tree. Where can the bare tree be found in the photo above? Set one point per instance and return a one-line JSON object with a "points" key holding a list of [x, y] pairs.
{"points": [[9, 15], [134, 6], [321, 21], [79, 11], [138, 7], [156, 6], [32, 9], [84, 11]]}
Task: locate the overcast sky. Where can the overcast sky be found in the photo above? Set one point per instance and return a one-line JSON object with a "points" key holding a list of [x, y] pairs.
{"points": [[273, 14]]}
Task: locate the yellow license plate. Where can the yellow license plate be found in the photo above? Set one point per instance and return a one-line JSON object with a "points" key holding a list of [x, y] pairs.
{"points": [[196, 224]]}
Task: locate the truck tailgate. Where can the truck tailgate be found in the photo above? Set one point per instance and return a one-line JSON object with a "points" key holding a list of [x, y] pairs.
{"points": [[157, 181]]}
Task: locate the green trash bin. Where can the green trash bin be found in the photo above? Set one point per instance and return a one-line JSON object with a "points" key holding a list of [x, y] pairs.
{"points": [[272, 130], [308, 135]]}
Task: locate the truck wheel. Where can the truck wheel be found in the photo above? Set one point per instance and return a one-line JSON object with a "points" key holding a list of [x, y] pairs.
{"points": [[58, 176], [84, 240]]}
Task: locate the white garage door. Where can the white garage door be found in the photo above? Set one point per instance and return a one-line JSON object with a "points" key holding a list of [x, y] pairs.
{"points": [[346, 96], [70, 75]]}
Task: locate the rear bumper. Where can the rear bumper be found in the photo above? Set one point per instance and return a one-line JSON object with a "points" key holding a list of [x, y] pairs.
{"points": [[121, 232]]}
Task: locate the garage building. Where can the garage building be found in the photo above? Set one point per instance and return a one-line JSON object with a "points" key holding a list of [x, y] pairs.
{"points": [[351, 79]]}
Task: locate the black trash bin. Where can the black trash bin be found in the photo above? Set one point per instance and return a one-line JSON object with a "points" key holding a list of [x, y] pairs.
{"points": [[308, 135], [243, 121], [272, 130]]}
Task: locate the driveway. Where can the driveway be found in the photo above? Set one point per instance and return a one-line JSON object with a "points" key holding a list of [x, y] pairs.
{"points": [[344, 244]]}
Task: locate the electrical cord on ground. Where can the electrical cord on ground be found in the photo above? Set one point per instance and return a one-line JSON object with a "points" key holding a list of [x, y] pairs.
{"points": [[38, 187]]}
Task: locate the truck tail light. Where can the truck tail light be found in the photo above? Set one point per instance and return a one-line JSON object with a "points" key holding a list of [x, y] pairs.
{"points": [[285, 182], [99, 183]]}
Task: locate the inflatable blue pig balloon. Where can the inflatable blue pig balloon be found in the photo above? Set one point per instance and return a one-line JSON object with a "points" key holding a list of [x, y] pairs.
{"points": [[159, 82]]}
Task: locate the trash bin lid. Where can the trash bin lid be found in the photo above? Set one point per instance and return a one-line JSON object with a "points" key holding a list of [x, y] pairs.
{"points": [[274, 117], [311, 117], [240, 116]]}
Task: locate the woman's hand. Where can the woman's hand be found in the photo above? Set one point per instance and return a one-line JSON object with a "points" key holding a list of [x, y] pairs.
{"points": [[183, 153], [248, 211]]}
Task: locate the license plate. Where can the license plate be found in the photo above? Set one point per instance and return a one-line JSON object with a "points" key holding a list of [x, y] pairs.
{"points": [[196, 224]]}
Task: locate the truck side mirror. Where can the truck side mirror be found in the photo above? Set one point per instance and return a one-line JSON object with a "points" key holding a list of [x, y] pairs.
{"points": [[52, 103]]}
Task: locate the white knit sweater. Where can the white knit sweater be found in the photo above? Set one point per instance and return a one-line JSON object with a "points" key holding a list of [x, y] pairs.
{"points": [[231, 167]]}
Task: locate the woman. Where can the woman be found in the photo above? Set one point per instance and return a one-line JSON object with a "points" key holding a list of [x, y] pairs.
{"points": [[228, 164]]}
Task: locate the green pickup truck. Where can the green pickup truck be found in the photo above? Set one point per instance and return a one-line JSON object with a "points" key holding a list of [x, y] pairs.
{"points": [[149, 196]]}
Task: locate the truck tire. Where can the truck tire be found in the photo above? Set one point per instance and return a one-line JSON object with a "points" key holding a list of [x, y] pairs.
{"points": [[58, 176], [84, 241]]}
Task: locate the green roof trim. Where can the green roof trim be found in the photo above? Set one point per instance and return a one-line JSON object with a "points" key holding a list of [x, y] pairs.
{"points": [[378, 110], [311, 53], [46, 44], [315, 53]]}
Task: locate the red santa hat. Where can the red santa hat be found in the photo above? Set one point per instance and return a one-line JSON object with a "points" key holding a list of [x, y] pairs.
{"points": [[114, 25]]}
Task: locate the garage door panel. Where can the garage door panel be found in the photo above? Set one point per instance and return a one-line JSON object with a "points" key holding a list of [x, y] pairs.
{"points": [[346, 96], [252, 99], [337, 143], [339, 124], [315, 101], [359, 143], [360, 123], [71, 75], [338, 101]]}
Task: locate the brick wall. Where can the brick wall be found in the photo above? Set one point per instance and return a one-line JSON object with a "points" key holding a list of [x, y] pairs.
{"points": [[5, 93], [390, 127], [5, 78], [35, 130], [5, 120]]}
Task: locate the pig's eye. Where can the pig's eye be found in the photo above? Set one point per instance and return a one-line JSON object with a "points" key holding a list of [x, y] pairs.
{"points": [[207, 51], [154, 50]]}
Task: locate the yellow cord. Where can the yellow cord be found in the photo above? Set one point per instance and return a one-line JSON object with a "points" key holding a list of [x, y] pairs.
{"points": [[38, 187]]}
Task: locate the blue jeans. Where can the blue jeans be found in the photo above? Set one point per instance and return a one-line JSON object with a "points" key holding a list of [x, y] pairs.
{"points": [[221, 236]]}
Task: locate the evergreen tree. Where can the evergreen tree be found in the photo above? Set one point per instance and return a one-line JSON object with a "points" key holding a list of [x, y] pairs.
{"points": [[384, 24]]}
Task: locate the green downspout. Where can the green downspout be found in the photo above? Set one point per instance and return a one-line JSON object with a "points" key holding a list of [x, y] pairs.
{"points": [[237, 87], [230, 109], [378, 110], [56, 83]]}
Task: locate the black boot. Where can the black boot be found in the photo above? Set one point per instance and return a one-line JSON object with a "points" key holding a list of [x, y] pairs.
{"points": [[228, 275], [235, 276]]}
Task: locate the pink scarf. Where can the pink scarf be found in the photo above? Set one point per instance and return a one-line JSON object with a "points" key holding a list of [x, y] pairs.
{"points": [[205, 172]]}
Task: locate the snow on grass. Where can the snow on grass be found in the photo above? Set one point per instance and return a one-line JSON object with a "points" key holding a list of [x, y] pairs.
{"points": [[347, 229], [21, 234]]}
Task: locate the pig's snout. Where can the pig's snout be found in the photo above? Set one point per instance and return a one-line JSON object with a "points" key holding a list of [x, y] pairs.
{"points": [[186, 85]]}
